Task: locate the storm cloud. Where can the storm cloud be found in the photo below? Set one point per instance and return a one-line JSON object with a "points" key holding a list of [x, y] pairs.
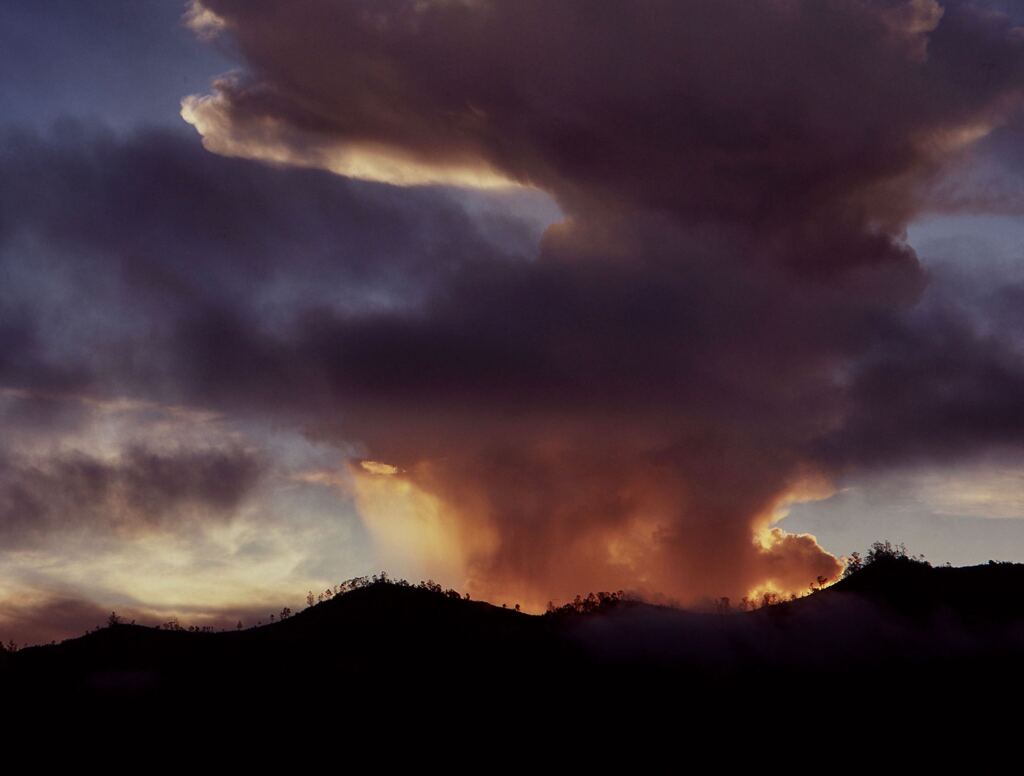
{"points": [[725, 317], [139, 490], [728, 317]]}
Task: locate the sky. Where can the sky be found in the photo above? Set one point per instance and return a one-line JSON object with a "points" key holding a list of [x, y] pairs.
{"points": [[688, 299]]}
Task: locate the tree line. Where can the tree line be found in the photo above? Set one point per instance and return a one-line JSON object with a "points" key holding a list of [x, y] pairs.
{"points": [[879, 552]]}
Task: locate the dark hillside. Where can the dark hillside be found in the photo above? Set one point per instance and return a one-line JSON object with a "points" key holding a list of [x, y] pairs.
{"points": [[896, 622], [984, 595]]}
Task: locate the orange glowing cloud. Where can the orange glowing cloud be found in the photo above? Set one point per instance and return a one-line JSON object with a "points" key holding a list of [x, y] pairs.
{"points": [[415, 535], [456, 524]]}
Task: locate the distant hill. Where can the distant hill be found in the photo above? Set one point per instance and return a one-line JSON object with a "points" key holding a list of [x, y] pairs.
{"points": [[898, 622]]}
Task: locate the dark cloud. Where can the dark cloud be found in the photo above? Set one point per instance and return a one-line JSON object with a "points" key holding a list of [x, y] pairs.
{"points": [[27, 412], [24, 353], [761, 112], [935, 389], [139, 490], [117, 248]]}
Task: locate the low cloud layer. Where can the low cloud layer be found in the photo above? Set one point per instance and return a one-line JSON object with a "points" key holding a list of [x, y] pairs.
{"points": [[138, 490]]}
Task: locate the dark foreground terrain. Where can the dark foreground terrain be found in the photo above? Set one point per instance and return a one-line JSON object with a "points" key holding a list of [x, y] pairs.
{"points": [[897, 640]]}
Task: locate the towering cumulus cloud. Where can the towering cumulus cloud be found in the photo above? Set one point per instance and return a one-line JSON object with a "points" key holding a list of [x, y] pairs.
{"points": [[710, 332]]}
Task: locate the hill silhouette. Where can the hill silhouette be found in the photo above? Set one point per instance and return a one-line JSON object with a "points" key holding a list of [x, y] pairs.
{"points": [[934, 633]]}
